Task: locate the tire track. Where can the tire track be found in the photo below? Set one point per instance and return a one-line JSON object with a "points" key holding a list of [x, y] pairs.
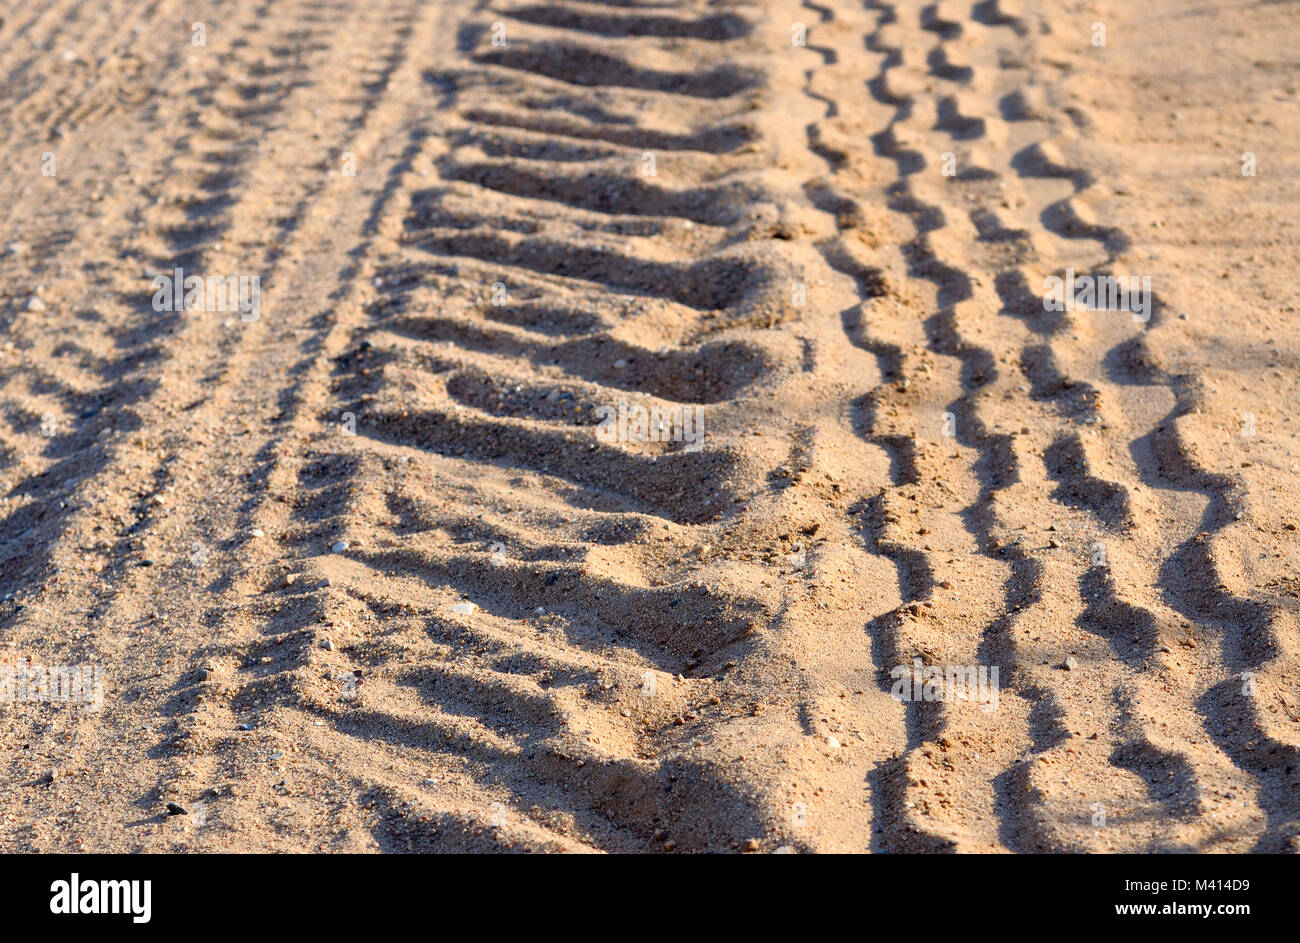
{"points": [[1010, 479], [496, 403]]}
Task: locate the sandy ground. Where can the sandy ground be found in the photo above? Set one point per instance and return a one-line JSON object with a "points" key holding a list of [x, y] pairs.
{"points": [[367, 573]]}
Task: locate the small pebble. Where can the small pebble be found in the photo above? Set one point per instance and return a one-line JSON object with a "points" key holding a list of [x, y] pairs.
{"points": [[1070, 663], [464, 608], [340, 546], [832, 743], [256, 532], [174, 809], [35, 304]]}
